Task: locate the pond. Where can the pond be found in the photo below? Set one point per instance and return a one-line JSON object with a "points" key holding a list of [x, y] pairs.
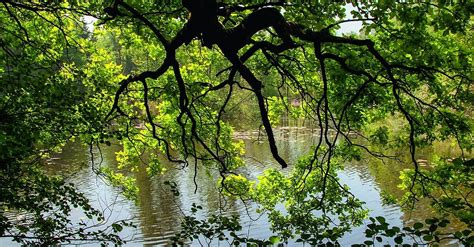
{"points": [[158, 212]]}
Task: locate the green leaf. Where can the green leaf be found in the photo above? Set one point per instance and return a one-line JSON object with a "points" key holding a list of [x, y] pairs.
{"points": [[427, 237], [417, 225], [380, 219], [117, 227], [398, 240], [431, 221], [274, 239]]}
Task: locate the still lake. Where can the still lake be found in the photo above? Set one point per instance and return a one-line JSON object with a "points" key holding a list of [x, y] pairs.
{"points": [[158, 212]]}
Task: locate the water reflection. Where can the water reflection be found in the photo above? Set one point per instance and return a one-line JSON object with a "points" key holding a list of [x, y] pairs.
{"points": [[158, 212]]}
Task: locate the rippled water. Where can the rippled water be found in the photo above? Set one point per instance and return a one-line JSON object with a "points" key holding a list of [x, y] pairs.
{"points": [[158, 212]]}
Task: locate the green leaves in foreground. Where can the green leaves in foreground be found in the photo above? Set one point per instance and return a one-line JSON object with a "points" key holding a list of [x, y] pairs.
{"points": [[448, 183], [217, 228], [36, 211], [431, 232]]}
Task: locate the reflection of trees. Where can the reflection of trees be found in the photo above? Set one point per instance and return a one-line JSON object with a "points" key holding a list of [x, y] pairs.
{"points": [[158, 210], [158, 213], [386, 176], [373, 172], [386, 173], [72, 159], [292, 141]]}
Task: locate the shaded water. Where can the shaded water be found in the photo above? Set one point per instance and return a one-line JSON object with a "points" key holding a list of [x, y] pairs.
{"points": [[158, 212]]}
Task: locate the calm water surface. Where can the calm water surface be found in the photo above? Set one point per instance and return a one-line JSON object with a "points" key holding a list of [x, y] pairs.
{"points": [[158, 213]]}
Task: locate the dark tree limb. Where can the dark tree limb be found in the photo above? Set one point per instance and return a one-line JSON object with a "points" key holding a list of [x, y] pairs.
{"points": [[203, 23]]}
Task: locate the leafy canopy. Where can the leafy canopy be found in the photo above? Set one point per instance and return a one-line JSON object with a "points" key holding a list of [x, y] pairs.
{"points": [[169, 79]]}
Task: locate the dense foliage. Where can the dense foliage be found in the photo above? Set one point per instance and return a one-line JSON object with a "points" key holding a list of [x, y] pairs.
{"points": [[54, 86], [171, 79]]}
